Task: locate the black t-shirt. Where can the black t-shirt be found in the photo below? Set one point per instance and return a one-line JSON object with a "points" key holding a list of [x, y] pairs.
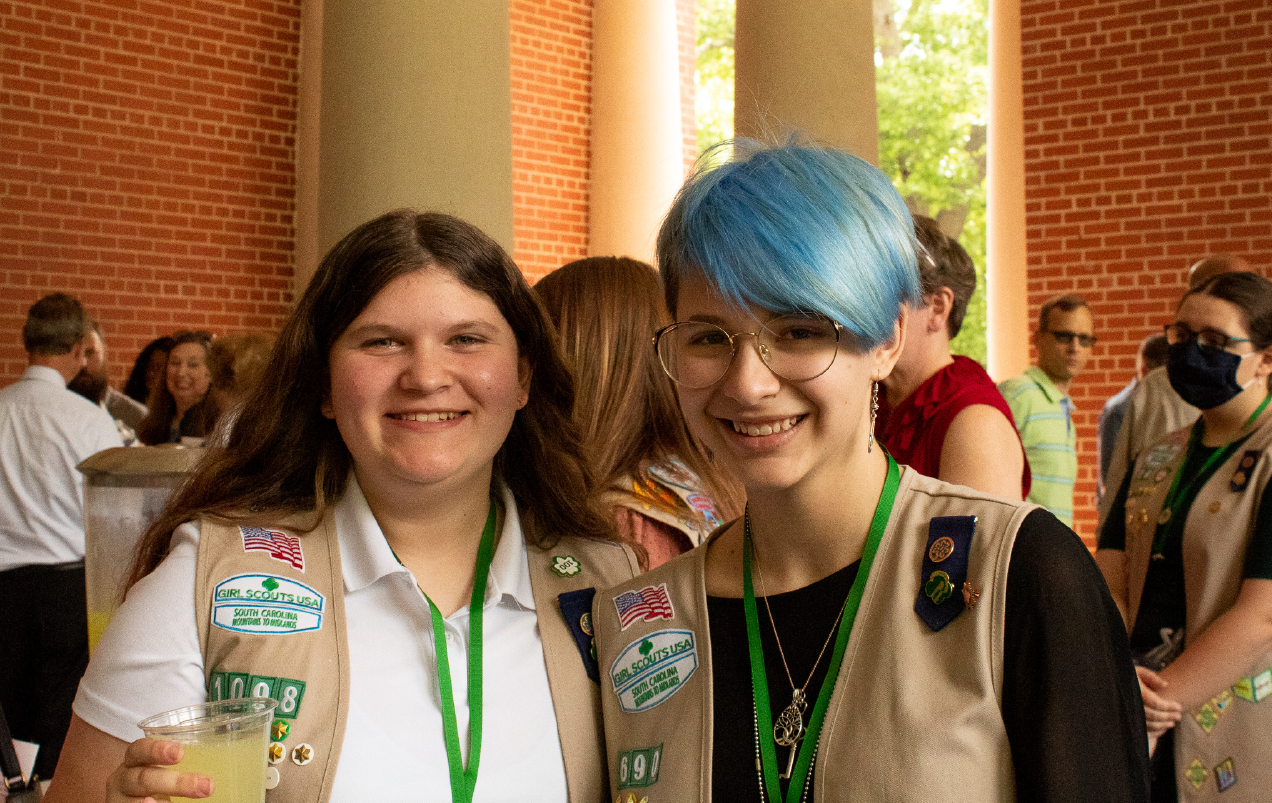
{"points": [[1071, 703]]}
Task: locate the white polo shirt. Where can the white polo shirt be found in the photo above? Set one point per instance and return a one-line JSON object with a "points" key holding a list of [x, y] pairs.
{"points": [[45, 432], [149, 661]]}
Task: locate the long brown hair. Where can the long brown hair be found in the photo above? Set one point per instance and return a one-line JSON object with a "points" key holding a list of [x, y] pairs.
{"points": [[283, 457], [162, 407], [607, 310]]}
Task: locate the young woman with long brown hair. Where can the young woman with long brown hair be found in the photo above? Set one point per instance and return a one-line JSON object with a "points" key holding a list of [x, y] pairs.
{"points": [[665, 493], [405, 486]]}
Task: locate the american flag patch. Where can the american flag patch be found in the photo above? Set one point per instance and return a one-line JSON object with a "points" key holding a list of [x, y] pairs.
{"points": [[645, 605], [280, 546]]}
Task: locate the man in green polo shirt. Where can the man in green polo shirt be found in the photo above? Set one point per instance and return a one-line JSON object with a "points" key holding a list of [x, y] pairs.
{"points": [[1039, 401]]}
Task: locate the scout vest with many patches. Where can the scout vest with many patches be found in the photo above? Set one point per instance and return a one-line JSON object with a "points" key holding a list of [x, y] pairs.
{"points": [[1220, 751], [270, 613], [671, 493], [916, 631]]}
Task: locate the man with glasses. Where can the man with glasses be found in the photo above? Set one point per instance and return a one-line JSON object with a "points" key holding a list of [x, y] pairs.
{"points": [[1040, 404]]}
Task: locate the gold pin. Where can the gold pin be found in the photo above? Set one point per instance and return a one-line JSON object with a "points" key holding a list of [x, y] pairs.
{"points": [[1214, 507], [1164, 516], [970, 595], [1143, 516]]}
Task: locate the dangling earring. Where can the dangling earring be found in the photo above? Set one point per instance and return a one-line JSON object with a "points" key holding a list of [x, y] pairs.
{"points": [[874, 413]]}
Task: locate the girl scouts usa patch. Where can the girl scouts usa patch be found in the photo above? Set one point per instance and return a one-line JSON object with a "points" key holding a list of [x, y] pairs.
{"points": [[266, 604], [651, 669]]}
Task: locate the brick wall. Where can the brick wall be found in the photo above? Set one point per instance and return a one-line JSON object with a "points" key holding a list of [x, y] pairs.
{"points": [[1147, 126], [551, 125], [146, 165]]}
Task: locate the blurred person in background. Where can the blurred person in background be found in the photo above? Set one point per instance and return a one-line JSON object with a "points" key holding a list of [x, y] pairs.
{"points": [[1040, 403], [45, 432], [665, 492], [941, 414], [1150, 356], [148, 369], [93, 383], [180, 410]]}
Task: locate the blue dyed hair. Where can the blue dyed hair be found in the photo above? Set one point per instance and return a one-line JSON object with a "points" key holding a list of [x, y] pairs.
{"points": [[795, 228]]}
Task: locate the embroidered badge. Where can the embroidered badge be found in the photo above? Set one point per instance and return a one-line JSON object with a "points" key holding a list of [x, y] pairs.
{"points": [[1196, 774], [1225, 775], [1241, 477], [288, 692], [949, 545], [566, 565], [1222, 702], [1207, 717], [1254, 689], [302, 754], [647, 604], [277, 751], [266, 604], [278, 545], [576, 607], [637, 768], [941, 549], [651, 669]]}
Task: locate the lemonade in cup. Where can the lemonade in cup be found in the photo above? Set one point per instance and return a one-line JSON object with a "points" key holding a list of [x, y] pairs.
{"points": [[227, 741]]}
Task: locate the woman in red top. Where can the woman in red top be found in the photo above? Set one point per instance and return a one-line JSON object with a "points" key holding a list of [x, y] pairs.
{"points": [[947, 419]]}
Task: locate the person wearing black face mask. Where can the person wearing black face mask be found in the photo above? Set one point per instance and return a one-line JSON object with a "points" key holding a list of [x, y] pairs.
{"points": [[1188, 552]]}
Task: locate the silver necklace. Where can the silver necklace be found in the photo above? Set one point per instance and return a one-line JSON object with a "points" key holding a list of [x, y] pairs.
{"points": [[788, 728]]}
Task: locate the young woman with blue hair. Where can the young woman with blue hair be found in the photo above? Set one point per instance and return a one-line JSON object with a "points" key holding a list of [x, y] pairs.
{"points": [[862, 632]]}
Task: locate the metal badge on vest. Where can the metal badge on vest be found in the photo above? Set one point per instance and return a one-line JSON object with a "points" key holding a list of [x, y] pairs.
{"points": [[944, 588]]}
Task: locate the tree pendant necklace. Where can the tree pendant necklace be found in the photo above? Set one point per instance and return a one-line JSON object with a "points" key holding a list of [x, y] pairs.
{"points": [[788, 730]]}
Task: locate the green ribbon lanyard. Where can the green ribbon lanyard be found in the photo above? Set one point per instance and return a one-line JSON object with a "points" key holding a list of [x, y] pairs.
{"points": [[463, 782], [759, 678], [1177, 493]]}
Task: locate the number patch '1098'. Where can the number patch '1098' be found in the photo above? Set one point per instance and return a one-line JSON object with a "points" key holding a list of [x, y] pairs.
{"points": [[236, 685], [639, 767]]}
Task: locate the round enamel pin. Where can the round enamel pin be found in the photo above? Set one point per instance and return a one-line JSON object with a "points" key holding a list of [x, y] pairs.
{"points": [[1214, 507], [941, 549], [302, 754], [565, 565]]}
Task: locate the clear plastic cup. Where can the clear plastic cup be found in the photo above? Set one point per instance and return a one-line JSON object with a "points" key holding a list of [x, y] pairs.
{"points": [[228, 741]]}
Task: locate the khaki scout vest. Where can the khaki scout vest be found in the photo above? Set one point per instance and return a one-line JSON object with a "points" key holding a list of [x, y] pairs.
{"points": [[1221, 745], [915, 714], [308, 731]]}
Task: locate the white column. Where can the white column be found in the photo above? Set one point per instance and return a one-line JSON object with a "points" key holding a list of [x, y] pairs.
{"points": [[637, 162], [306, 252], [807, 66], [1007, 298]]}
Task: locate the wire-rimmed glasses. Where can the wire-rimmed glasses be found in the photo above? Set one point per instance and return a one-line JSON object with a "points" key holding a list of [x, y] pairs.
{"points": [[697, 354]]}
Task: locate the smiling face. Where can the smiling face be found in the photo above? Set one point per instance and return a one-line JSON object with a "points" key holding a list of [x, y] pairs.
{"points": [[188, 376], [424, 385], [774, 434]]}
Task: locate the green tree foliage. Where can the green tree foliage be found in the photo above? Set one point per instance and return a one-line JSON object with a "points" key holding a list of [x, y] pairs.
{"points": [[931, 88], [713, 101], [932, 106]]}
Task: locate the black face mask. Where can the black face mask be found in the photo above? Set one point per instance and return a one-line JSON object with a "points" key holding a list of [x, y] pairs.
{"points": [[1205, 378]]}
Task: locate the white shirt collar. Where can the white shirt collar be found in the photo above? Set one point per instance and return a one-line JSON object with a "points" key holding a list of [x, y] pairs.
{"points": [[366, 557], [45, 374]]}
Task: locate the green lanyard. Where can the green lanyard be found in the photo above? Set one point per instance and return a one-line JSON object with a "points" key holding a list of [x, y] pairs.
{"points": [[1174, 507], [759, 678], [463, 782]]}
